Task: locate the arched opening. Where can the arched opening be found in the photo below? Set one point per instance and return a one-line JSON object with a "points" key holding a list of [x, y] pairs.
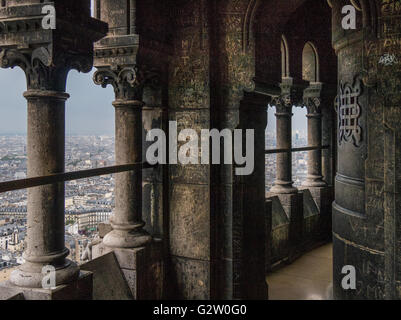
{"points": [[299, 140], [270, 144], [310, 63], [89, 144]]}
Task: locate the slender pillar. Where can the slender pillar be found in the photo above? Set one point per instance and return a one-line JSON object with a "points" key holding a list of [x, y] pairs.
{"points": [[46, 81], [45, 226], [284, 183], [117, 65], [127, 220], [315, 177]]}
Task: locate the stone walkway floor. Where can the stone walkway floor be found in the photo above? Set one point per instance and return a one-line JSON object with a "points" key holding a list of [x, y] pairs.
{"points": [[308, 278]]}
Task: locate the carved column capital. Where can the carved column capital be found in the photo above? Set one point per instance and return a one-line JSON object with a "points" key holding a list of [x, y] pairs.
{"points": [[282, 103], [43, 70], [313, 105], [291, 95], [128, 82], [312, 98]]}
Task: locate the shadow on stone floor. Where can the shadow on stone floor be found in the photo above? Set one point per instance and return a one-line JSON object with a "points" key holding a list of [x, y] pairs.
{"points": [[308, 278]]}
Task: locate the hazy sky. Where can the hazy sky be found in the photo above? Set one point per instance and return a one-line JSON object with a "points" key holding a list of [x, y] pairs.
{"points": [[299, 120], [88, 111]]}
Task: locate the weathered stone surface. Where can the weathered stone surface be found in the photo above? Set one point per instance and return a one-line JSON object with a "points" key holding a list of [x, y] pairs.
{"points": [[109, 282], [143, 268], [192, 278], [104, 228], [279, 236], [80, 289], [190, 221], [11, 293], [364, 221]]}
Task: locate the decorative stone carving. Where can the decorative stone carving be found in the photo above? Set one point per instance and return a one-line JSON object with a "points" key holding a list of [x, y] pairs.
{"points": [[349, 112], [128, 82], [291, 95], [312, 98], [44, 72], [282, 101], [313, 105]]}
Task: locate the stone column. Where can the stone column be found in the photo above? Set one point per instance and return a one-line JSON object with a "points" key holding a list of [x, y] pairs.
{"points": [[46, 57], [283, 183], [116, 58], [359, 216], [45, 226], [315, 177], [127, 220], [290, 199], [46, 80]]}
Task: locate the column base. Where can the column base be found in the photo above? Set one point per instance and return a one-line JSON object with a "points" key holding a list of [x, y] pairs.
{"points": [[127, 239], [283, 188], [79, 289], [29, 275], [314, 182]]}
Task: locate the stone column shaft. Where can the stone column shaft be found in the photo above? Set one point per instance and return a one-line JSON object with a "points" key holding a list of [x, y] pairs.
{"points": [[315, 177], [283, 183], [313, 102], [128, 79], [127, 219], [45, 226]]}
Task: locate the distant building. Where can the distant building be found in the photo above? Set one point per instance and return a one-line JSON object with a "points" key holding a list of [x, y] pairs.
{"points": [[7, 237], [10, 239], [87, 219], [20, 175]]}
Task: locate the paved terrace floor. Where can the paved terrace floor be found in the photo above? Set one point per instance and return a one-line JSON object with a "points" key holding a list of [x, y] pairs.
{"points": [[308, 278]]}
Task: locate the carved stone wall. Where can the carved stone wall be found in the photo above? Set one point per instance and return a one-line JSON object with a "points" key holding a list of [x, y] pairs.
{"points": [[234, 58], [366, 220], [387, 58], [189, 104]]}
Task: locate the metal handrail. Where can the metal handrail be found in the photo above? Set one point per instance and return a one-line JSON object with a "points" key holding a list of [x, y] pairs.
{"points": [[69, 176], [272, 151], [82, 174]]}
